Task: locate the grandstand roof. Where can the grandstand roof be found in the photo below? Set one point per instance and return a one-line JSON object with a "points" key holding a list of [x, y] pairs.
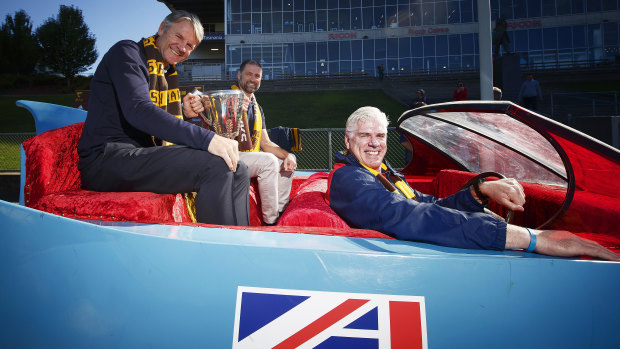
{"points": [[209, 11]]}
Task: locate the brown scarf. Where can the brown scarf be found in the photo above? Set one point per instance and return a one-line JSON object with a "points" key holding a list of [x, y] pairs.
{"points": [[163, 84], [250, 140]]}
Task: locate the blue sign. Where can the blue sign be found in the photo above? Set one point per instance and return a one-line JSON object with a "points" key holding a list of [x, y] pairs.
{"points": [[213, 36]]}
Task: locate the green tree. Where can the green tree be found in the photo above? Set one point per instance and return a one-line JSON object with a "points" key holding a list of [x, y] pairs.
{"points": [[18, 44], [68, 47]]}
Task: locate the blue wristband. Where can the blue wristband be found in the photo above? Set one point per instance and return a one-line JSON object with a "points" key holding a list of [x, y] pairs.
{"points": [[532, 245]]}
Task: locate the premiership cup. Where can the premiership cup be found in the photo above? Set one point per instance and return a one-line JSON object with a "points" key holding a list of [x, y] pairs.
{"points": [[222, 112]]}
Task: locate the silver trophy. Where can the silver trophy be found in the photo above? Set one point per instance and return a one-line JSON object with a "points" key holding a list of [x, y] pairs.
{"points": [[222, 112]]}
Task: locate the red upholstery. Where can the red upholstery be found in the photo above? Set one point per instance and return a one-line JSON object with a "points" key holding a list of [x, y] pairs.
{"points": [[53, 185], [590, 215], [309, 208]]}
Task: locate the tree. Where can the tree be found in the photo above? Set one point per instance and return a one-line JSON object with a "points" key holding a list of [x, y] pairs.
{"points": [[68, 47], [18, 44]]}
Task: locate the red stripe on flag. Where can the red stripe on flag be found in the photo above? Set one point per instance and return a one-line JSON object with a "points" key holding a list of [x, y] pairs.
{"points": [[322, 323], [405, 325]]}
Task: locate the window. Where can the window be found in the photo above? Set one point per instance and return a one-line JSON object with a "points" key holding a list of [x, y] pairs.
{"points": [[535, 39], [404, 50], [356, 50], [380, 50], [563, 7], [565, 38], [392, 48], [550, 39], [311, 51], [441, 13], [332, 19], [578, 6], [467, 11], [428, 14], [344, 17], [417, 47], [429, 46], [442, 45], [454, 43], [391, 16], [505, 7], [369, 49], [609, 5], [276, 23], [299, 52], [404, 17], [333, 51], [379, 17], [519, 9], [453, 12], [356, 18], [533, 8], [367, 18], [593, 5], [345, 50], [548, 8], [579, 36], [520, 40]]}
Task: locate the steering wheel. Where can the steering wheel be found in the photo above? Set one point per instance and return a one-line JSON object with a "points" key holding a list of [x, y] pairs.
{"points": [[480, 176]]}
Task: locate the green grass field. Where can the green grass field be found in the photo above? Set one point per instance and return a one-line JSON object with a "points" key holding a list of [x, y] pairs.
{"points": [[296, 109], [301, 110]]}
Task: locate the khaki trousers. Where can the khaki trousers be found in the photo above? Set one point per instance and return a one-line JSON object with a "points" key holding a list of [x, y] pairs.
{"points": [[274, 184]]}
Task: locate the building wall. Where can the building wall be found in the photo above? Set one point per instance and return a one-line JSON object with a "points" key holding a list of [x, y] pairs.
{"points": [[308, 37]]}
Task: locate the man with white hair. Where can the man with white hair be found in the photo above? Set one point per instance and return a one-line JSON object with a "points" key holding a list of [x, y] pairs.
{"points": [[368, 193], [135, 100]]}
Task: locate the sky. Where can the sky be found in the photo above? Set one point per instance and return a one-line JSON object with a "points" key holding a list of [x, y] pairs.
{"points": [[108, 20]]}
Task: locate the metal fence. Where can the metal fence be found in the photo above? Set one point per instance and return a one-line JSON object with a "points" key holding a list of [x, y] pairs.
{"points": [[564, 106], [318, 148], [9, 150]]}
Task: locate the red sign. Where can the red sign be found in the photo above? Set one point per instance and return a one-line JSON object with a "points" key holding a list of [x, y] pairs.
{"points": [[528, 23], [431, 30], [340, 36]]}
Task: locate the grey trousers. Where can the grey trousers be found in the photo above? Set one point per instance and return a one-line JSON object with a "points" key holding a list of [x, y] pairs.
{"points": [[274, 184]]}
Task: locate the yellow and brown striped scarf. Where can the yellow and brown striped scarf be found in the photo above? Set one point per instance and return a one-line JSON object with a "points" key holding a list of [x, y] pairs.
{"points": [[399, 185], [163, 83], [250, 141]]}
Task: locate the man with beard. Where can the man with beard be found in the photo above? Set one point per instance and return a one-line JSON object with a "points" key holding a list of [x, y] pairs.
{"points": [[135, 99], [273, 166]]}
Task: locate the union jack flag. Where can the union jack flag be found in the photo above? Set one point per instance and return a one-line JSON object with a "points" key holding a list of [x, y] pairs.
{"points": [[280, 318]]}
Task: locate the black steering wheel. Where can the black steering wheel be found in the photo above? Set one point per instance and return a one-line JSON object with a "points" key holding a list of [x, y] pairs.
{"points": [[482, 175]]}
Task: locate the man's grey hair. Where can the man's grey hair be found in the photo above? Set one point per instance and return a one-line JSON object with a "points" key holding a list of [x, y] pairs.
{"points": [[180, 15], [365, 114]]}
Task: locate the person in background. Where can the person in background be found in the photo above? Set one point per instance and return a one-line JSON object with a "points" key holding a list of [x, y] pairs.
{"points": [[500, 36], [135, 99], [420, 99], [497, 93], [368, 193], [460, 93], [530, 93], [380, 71]]}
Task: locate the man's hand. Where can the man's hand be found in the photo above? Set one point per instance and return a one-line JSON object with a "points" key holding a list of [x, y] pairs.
{"points": [[559, 243], [192, 105], [290, 163], [506, 192], [227, 149]]}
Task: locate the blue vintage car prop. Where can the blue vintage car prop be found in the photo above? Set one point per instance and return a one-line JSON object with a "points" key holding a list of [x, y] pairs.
{"points": [[76, 283]]}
